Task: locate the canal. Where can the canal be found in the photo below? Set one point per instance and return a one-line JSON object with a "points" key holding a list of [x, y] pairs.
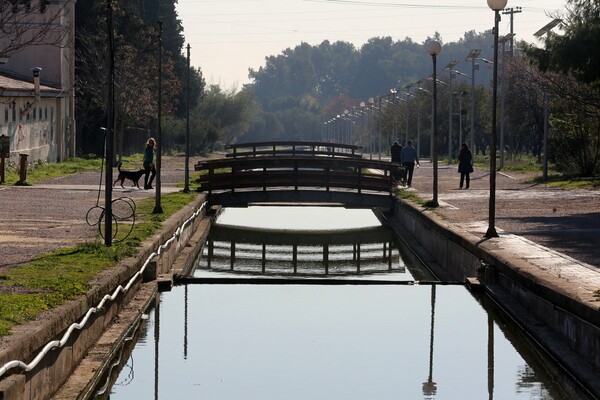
{"points": [[340, 313]]}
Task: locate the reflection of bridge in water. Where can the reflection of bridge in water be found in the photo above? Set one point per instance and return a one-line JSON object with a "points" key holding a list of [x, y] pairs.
{"points": [[302, 254]]}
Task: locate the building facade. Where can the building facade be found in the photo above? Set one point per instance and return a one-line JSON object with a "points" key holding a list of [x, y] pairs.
{"points": [[37, 96]]}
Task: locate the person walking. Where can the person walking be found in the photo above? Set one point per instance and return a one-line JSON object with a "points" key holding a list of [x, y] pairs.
{"points": [[465, 165], [409, 159], [396, 153], [149, 163]]}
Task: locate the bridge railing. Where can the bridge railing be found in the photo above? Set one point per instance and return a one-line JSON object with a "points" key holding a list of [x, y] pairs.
{"points": [[298, 172], [293, 148]]}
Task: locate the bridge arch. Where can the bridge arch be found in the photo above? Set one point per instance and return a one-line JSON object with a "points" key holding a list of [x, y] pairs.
{"points": [[316, 173]]}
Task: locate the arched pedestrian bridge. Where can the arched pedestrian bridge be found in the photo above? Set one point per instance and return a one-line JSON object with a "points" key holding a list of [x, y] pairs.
{"points": [[315, 173]]}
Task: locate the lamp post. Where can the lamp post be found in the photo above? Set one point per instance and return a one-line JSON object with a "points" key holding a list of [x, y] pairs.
{"points": [[502, 41], [157, 206], [110, 124], [379, 129], [448, 68], [496, 6], [371, 107], [407, 87], [473, 56], [434, 48], [419, 123], [186, 188], [461, 94], [363, 126]]}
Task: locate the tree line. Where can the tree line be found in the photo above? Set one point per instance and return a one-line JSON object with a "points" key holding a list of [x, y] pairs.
{"points": [[295, 93]]}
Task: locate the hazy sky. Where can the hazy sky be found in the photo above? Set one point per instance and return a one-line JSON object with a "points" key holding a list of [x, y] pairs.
{"points": [[227, 37]]}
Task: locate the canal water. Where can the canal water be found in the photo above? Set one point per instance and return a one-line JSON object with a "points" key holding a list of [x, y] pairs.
{"points": [[341, 313]]}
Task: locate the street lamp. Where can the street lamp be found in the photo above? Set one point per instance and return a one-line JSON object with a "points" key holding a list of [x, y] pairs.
{"points": [[186, 188], [419, 122], [503, 41], [434, 48], [496, 6], [371, 107], [544, 30], [363, 126], [110, 125], [473, 56], [157, 206], [448, 68], [407, 87]]}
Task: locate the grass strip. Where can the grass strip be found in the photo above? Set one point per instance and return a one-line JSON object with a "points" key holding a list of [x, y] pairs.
{"points": [[51, 279]]}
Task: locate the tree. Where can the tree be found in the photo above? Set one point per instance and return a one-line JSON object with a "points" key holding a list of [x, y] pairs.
{"points": [[136, 68], [576, 51], [136, 71], [225, 115]]}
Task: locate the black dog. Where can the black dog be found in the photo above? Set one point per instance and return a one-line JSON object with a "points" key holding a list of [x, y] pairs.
{"points": [[133, 176]]}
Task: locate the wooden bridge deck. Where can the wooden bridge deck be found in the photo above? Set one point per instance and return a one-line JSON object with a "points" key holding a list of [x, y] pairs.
{"points": [[310, 176]]}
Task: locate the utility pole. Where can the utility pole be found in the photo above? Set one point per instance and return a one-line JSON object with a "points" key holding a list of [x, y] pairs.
{"points": [[503, 84], [512, 11]]}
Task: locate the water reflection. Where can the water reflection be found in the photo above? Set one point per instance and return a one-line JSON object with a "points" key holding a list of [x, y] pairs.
{"points": [[309, 341], [334, 342], [241, 251]]}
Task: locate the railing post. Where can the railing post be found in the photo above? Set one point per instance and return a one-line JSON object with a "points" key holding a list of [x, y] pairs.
{"points": [[211, 173], [233, 179], [264, 179], [327, 178], [296, 175], [358, 258], [264, 257], [232, 256], [326, 258], [295, 258]]}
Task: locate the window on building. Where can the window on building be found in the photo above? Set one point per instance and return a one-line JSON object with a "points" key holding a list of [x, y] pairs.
{"points": [[5, 115]]}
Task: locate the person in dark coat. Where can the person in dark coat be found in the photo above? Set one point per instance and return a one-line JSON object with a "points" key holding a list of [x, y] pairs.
{"points": [[465, 165], [396, 153], [148, 163]]}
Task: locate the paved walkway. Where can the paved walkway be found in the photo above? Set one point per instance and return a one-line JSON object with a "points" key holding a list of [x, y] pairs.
{"points": [[556, 232], [55, 213]]}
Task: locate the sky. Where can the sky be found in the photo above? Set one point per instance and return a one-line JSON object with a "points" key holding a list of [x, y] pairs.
{"points": [[227, 37]]}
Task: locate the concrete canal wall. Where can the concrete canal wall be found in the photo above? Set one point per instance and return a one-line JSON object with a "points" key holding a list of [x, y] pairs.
{"points": [[553, 312], [58, 365], [560, 312]]}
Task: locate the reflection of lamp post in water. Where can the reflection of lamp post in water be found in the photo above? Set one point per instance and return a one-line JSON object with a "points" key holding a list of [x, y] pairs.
{"points": [[430, 387], [185, 324], [490, 357], [156, 340]]}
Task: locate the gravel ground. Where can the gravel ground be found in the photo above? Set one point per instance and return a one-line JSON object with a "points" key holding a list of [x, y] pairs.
{"points": [[52, 214]]}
